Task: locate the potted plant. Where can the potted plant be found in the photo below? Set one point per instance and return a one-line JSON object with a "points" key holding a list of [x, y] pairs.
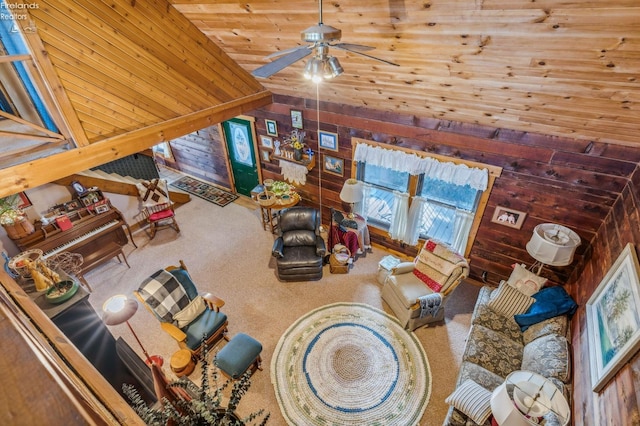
{"points": [[185, 403], [13, 219]]}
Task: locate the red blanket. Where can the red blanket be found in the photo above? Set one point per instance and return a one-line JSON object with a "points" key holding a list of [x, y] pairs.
{"points": [[349, 239]]}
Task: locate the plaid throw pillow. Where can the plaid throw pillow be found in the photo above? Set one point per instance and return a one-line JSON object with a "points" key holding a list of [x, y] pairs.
{"points": [[164, 294]]}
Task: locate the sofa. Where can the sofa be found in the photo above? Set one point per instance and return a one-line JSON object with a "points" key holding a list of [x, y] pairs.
{"points": [[497, 346]]}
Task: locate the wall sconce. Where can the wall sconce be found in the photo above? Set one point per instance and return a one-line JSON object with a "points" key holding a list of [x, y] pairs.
{"points": [[351, 193], [553, 245]]}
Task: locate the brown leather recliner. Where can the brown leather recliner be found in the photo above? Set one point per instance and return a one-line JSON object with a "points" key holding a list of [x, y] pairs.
{"points": [[299, 249]]}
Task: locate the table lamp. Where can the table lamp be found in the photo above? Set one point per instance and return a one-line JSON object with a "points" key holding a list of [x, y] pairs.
{"points": [[351, 193], [525, 398], [553, 245], [119, 309]]}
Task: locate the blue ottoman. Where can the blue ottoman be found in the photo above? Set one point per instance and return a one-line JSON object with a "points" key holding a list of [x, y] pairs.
{"points": [[241, 353]]}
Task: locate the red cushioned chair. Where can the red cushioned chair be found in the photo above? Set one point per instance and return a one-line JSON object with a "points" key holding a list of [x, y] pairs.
{"points": [[157, 208]]}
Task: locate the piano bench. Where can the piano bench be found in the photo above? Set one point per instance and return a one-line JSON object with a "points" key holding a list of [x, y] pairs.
{"points": [[100, 256]]}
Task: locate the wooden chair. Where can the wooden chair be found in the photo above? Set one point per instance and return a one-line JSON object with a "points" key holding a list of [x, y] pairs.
{"points": [[157, 208], [171, 296]]}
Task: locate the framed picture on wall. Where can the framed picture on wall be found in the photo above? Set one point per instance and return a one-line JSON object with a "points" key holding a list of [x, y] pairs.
{"points": [[23, 201], [266, 142], [613, 319], [272, 127], [163, 150], [508, 217], [333, 165], [265, 155], [296, 119], [328, 140]]}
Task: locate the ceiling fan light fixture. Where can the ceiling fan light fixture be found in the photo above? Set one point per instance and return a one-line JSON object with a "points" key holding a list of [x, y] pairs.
{"points": [[334, 65]]}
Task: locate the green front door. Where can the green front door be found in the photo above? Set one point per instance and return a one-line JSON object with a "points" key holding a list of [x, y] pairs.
{"points": [[242, 156]]}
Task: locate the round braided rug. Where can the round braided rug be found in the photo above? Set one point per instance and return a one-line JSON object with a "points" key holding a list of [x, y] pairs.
{"points": [[350, 364]]}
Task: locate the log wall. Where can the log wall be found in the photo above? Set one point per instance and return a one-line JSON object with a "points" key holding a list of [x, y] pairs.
{"points": [[617, 403]]}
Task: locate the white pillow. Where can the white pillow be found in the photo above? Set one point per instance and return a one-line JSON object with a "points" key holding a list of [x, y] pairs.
{"points": [[190, 312], [508, 301], [525, 281], [473, 400]]}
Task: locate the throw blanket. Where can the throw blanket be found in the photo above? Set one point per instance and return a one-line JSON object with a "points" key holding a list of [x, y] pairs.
{"points": [[437, 266], [349, 239], [294, 173], [429, 304], [550, 302], [164, 294]]}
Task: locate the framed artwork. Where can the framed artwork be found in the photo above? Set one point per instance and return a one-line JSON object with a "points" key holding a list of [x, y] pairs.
{"points": [[266, 142], [163, 150], [333, 165], [613, 319], [23, 201], [508, 217], [272, 127], [296, 119], [72, 205], [102, 208], [328, 140], [265, 155]]}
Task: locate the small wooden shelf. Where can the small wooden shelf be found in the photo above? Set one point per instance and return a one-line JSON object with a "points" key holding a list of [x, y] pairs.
{"points": [[308, 162]]}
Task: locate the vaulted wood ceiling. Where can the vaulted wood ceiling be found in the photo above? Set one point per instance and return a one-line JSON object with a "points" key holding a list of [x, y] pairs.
{"points": [[560, 67], [125, 74]]}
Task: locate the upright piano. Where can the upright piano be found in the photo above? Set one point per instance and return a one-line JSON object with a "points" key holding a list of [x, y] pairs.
{"points": [[97, 237]]}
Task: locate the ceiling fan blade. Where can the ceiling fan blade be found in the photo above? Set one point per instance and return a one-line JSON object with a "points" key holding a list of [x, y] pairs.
{"points": [[368, 56], [284, 52], [352, 47], [271, 68]]}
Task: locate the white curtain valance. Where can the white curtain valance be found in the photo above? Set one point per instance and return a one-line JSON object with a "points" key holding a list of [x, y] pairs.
{"points": [[458, 174]]}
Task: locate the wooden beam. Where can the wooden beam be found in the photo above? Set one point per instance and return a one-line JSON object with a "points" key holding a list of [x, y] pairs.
{"points": [[38, 172]]}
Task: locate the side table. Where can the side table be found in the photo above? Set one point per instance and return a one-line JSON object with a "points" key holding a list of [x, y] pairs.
{"points": [[385, 266], [182, 363]]}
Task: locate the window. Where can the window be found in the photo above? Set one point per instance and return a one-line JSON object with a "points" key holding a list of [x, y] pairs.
{"points": [[380, 196], [21, 95], [416, 196], [443, 201]]}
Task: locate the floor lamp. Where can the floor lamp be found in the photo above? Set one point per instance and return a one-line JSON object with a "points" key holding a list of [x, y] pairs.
{"points": [[119, 309]]}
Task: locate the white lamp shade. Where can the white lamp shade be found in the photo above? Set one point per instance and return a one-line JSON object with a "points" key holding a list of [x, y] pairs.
{"points": [[553, 244], [524, 397], [352, 191]]}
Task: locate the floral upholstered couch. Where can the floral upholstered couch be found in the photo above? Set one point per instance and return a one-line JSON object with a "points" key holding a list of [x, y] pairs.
{"points": [[496, 346]]}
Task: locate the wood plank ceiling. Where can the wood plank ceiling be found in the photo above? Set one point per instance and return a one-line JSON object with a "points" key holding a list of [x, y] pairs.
{"points": [[558, 67], [119, 77]]}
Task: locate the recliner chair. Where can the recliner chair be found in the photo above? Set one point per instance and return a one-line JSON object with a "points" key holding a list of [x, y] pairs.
{"points": [[299, 249]]}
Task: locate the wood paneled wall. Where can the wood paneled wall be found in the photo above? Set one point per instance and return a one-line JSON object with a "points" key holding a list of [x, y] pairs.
{"points": [[617, 404], [561, 180], [202, 154]]}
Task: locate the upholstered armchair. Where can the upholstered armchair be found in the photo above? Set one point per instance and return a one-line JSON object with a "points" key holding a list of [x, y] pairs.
{"points": [[299, 249], [417, 291], [171, 296]]}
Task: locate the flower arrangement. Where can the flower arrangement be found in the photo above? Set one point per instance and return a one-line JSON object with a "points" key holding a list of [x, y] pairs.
{"points": [[280, 188], [296, 139], [10, 213]]}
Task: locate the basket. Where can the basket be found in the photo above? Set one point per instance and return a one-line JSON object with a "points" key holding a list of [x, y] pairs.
{"points": [[16, 264], [339, 261], [266, 199]]}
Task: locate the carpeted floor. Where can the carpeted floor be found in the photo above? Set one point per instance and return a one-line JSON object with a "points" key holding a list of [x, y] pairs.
{"points": [[204, 190], [229, 254]]}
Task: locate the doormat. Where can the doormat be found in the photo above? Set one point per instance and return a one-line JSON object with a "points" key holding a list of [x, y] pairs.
{"points": [[205, 191]]}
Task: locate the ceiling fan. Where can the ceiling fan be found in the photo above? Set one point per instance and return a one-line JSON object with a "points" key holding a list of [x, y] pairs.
{"points": [[322, 65]]}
